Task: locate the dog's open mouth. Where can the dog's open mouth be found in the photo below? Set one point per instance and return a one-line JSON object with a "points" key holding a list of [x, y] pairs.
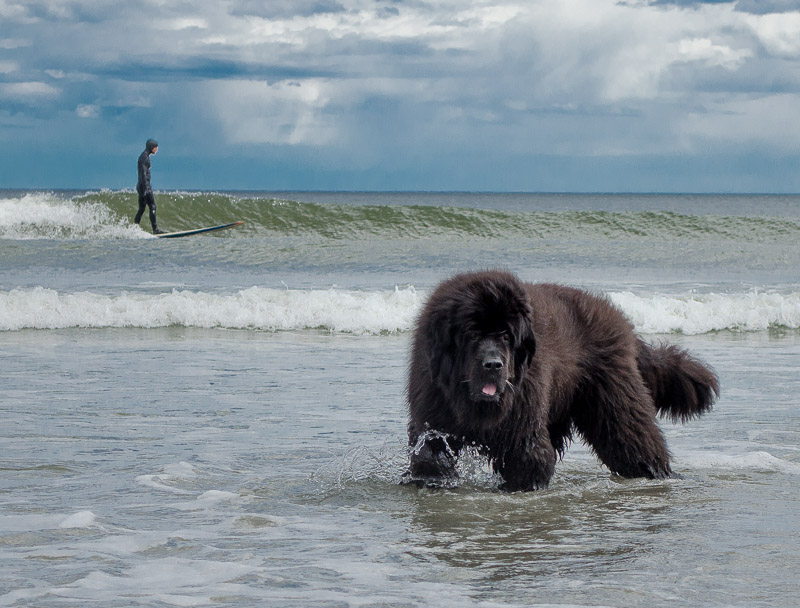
{"points": [[489, 391]]}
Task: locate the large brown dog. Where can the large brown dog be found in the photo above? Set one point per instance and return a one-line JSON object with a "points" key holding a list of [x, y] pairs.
{"points": [[515, 368]]}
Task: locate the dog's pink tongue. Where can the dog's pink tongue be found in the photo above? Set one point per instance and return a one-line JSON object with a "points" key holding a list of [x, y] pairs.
{"points": [[489, 389]]}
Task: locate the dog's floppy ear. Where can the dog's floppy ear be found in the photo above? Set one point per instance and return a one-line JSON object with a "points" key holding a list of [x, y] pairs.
{"points": [[442, 348], [524, 345]]}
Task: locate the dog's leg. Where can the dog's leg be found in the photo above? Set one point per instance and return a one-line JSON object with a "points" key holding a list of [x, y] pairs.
{"points": [[618, 420], [528, 467], [433, 460]]}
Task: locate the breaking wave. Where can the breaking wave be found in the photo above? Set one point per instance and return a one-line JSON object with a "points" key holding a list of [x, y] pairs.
{"points": [[361, 312], [108, 214]]}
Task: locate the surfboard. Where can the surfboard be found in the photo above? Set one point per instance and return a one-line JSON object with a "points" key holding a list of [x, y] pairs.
{"points": [[174, 235]]}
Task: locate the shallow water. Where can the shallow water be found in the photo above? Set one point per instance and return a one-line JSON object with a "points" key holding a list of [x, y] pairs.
{"points": [[207, 467], [221, 421]]}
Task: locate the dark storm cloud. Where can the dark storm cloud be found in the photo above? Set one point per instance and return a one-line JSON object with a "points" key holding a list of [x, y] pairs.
{"points": [[65, 11], [756, 7], [764, 7], [690, 2], [284, 9], [198, 68]]}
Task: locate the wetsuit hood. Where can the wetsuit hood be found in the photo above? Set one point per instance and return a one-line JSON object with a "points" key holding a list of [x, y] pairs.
{"points": [[151, 145]]}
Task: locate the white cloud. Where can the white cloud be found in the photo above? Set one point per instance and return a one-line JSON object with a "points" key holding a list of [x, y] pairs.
{"points": [[602, 51], [706, 51], [779, 33], [23, 90], [365, 23], [283, 113], [14, 11], [87, 111], [186, 23], [7, 67], [471, 61]]}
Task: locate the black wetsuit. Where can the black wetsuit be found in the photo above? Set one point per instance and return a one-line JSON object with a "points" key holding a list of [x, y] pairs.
{"points": [[146, 198]]}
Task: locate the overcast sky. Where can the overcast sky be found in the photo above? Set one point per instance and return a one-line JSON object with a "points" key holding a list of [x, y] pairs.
{"points": [[500, 95]]}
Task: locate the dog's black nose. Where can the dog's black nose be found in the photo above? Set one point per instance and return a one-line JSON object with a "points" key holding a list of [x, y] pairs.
{"points": [[492, 363]]}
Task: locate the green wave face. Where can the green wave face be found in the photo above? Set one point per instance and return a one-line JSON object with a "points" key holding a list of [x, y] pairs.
{"points": [[183, 211]]}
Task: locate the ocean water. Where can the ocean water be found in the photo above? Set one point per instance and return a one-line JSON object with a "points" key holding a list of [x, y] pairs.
{"points": [[220, 420]]}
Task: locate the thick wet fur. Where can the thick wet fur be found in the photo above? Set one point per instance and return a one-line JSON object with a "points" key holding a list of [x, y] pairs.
{"points": [[516, 368]]}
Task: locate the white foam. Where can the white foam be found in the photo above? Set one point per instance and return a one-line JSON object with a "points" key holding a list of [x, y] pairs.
{"points": [[177, 582], [81, 519], [360, 312], [173, 475], [703, 313], [755, 461], [212, 496], [255, 308], [30, 522], [39, 215], [209, 500]]}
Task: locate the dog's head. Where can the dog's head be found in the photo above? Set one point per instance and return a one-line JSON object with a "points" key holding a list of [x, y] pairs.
{"points": [[481, 342]]}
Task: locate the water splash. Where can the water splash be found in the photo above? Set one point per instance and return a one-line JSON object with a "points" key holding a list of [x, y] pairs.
{"points": [[47, 216]]}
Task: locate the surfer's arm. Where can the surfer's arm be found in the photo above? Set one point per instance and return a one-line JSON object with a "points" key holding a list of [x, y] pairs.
{"points": [[144, 174]]}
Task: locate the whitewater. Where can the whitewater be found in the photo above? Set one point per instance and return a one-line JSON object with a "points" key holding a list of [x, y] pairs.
{"points": [[220, 420], [362, 312]]}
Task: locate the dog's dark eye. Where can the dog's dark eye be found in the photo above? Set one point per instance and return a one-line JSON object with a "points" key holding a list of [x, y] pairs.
{"points": [[505, 337]]}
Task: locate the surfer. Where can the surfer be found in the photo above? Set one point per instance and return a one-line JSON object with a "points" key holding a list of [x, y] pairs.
{"points": [[146, 198]]}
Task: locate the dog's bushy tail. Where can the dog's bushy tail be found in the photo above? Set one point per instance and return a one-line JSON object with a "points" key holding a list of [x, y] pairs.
{"points": [[682, 387]]}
